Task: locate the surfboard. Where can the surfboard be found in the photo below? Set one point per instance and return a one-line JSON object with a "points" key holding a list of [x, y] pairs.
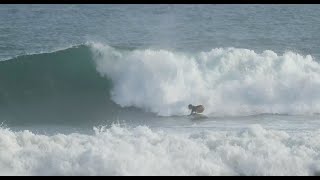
{"points": [[198, 116]]}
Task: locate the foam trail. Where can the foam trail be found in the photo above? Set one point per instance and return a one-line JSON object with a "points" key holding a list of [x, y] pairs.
{"points": [[142, 151], [227, 81]]}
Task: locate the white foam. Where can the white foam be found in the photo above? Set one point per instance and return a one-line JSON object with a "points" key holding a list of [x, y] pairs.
{"points": [[227, 81], [142, 151]]}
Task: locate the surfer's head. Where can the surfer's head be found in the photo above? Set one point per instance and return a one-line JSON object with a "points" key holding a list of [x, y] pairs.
{"points": [[190, 106]]}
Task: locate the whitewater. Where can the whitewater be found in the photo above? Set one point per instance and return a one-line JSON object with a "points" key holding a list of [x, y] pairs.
{"points": [[142, 151], [227, 81], [104, 90]]}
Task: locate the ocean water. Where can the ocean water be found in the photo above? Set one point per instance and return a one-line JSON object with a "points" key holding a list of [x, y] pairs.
{"points": [[104, 89]]}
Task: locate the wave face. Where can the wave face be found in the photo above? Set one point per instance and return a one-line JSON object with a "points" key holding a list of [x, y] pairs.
{"points": [[227, 81], [61, 86], [142, 151]]}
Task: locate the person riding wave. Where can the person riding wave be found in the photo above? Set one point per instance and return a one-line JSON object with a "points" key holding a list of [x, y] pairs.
{"points": [[196, 109]]}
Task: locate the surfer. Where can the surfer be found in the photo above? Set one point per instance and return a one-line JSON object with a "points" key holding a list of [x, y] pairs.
{"points": [[196, 109]]}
